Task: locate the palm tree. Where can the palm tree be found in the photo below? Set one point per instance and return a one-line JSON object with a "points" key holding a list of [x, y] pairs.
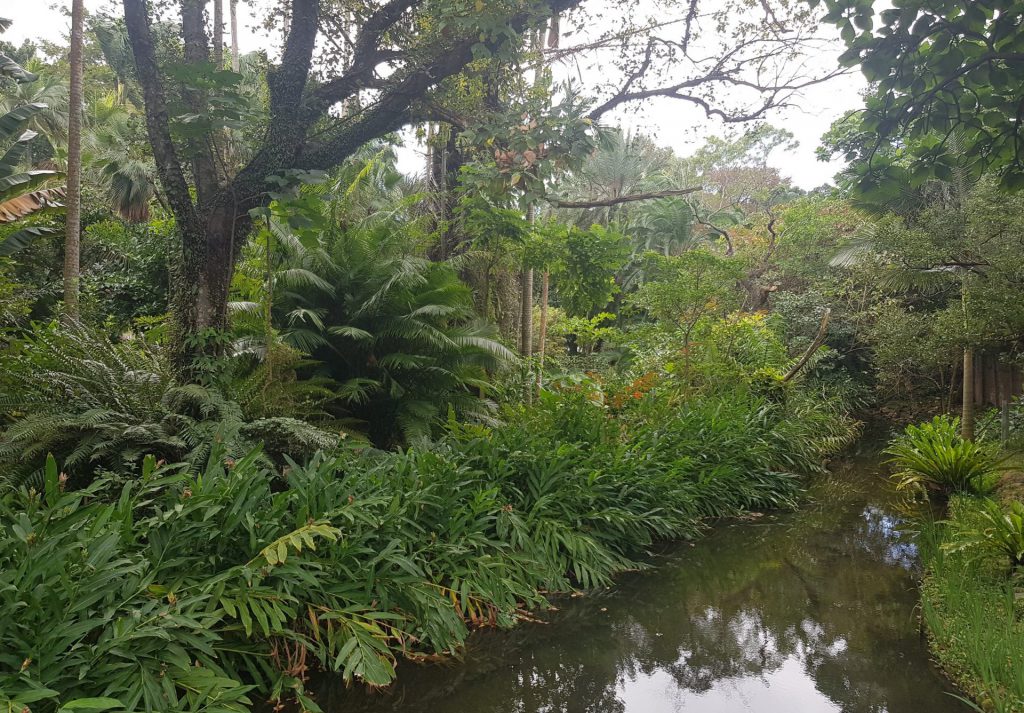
{"points": [[20, 194], [49, 89], [218, 33], [624, 164], [115, 161], [234, 35], [72, 267]]}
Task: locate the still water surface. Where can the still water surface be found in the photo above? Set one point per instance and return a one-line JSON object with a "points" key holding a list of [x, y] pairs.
{"points": [[807, 612]]}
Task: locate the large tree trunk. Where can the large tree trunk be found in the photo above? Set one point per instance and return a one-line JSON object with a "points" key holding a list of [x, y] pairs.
{"points": [[211, 207], [967, 412], [72, 272], [200, 289]]}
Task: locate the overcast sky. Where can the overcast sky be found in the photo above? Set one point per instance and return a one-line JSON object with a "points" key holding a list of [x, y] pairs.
{"points": [[669, 122]]}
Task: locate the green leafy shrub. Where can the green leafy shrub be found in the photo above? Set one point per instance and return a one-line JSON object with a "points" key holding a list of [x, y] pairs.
{"points": [[96, 404], [934, 457], [126, 270], [357, 557], [989, 425], [971, 608], [998, 531], [395, 332]]}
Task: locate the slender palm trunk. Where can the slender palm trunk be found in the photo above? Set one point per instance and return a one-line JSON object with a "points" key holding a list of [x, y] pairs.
{"points": [[72, 268], [526, 301], [526, 320], [234, 35], [967, 412], [543, 340], [218, 33]]}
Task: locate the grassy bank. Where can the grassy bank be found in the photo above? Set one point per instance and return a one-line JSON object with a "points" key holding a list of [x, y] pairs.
{"points": [[170, 590], [974, 612]]}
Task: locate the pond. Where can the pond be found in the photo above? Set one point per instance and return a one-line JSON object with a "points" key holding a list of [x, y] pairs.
{"points": [[804, 612]]}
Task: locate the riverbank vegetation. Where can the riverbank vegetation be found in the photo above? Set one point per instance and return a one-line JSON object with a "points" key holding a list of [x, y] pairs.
{"points": [[291, 406], [972, 558], [970, 599]]}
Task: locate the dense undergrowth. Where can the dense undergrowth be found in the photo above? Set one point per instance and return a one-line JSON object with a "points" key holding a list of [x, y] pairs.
{"points": [[177, 589], [973, 610]]}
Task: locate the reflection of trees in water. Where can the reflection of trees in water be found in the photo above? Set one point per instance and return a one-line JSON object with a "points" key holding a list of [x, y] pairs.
{"points": [[898, 550], [828, 588]]}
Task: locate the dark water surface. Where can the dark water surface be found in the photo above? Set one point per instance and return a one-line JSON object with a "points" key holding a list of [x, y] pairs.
{"points": [[808, 612]]}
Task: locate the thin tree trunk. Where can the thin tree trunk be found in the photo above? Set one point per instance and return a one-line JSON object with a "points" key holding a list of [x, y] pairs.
{"points": [[526, 320], [544, 291], [218, 33], [967, 412], [235, 66], [526, 300], [72, 269], [952, 385]]}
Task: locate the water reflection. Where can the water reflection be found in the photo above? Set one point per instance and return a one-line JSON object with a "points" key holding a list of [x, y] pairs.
{"points": [[808, 613]]}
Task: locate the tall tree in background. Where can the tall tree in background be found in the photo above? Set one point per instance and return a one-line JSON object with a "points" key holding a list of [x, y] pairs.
{"points": [[218, 33], [235, 65], [74, 182]]}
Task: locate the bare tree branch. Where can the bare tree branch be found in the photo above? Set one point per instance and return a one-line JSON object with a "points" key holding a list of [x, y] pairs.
{"points": [[819, 339]]}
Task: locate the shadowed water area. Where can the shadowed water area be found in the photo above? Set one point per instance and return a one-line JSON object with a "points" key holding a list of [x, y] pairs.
{"points": [[805, 612]]}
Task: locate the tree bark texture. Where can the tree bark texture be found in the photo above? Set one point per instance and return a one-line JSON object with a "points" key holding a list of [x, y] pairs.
{"points": [[218, 33], [543, 336]]}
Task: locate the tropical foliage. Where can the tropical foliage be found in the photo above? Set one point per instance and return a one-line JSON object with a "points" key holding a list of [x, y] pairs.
{"points": [[999, 531], [970, 605], [99, 405], [351, 561], [21, 191], [934, 457], [318, 411]]}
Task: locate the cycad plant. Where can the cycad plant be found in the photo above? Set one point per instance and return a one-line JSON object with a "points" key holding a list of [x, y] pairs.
{"points": [[933, 457], [998, 531], [101, 405], [396, 331], [343, 281]]}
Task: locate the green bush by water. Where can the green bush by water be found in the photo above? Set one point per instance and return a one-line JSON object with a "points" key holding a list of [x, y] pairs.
{"points": [[171, 589], [996, 530], [932, 457], [971, 608]]}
